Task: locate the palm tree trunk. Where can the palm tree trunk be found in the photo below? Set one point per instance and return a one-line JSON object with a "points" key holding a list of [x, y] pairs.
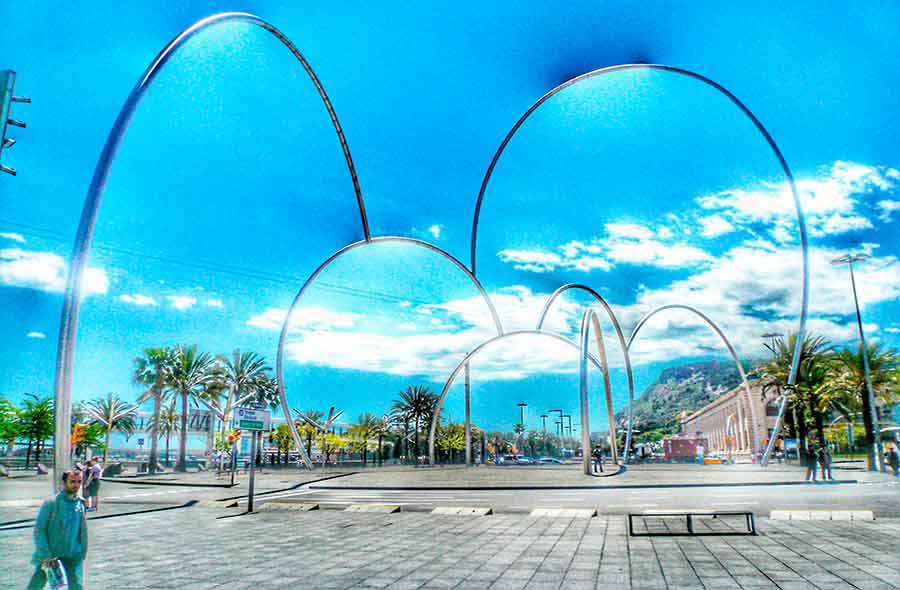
{"points": [[168, 438], [154, 435], [106, 447], [182, 442], [380, 459], [417, 439]]}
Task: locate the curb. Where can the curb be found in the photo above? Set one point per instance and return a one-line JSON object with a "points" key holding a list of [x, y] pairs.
{"points": [[587, 487]]}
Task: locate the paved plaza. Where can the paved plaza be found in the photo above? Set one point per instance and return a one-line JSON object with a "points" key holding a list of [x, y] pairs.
{"points": [[197, 549]]}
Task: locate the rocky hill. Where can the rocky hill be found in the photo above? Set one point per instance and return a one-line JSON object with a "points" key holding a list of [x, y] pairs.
{"points": [[686, 387]]}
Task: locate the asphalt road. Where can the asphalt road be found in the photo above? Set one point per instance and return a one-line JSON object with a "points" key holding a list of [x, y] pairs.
{"points": [[882, 498]]}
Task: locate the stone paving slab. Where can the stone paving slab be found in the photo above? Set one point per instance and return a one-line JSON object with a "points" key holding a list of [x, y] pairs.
{"points": [[191, 548]]}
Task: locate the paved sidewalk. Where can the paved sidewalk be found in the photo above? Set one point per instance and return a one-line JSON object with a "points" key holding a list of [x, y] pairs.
{"points": [[191, 548]]}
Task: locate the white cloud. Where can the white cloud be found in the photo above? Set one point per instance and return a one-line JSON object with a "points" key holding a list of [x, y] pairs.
{"points": [[887, 208], [46, 271], [531, 260], [36, 335], [435, 231], [892, 329], [830, 200], [137, 299], [714, 226], [405, 303], [212, 302], [629, 231], [13, 236], [181, 302], [316, 318]]}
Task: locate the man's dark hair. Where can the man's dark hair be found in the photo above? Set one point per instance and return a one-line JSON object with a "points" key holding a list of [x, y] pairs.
{"points": [[67, 473]]}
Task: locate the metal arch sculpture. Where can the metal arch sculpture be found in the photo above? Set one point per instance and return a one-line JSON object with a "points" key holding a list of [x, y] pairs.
{"points": [[81, 248], [737, 361], [622, 344], [439, 405], [279, 362], [801, 220]]}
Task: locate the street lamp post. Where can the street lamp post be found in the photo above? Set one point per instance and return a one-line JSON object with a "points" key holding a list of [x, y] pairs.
{"points": [[558, 426], [876, 463]]}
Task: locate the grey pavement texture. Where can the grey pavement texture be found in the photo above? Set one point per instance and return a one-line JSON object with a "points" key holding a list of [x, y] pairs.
{"points": [[191, 548]]}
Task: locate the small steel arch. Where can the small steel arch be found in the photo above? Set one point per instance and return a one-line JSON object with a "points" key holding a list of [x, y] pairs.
{"points": [[440, 402], [622, 344], [90, 211], [279, 363], [731, 351]]}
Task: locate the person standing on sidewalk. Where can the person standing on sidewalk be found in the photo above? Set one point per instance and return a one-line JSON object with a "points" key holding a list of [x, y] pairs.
{"points": [[60, 534], [809, 456], [92, 491], [598, 459], [824, 457], [893, 459]]}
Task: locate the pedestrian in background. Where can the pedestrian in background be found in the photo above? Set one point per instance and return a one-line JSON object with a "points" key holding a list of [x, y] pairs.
{"points": [[824, 457], [893, 459], [809, 457], [92, 490], [60, 535], [598, 459]]}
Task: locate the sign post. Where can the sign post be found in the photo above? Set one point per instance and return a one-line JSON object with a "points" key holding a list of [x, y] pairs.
{"points": [[255, 421]]}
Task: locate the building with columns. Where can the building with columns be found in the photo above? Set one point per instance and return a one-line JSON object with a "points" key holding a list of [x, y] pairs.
{"points": [[735, 424]]}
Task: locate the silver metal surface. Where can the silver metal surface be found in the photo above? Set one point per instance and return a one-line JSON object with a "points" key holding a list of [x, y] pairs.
{"points": [[440, 402], [90, 211], [877, 463], [737, 361], [622, 344], [279, 363], [801, 219], [583, 344]]}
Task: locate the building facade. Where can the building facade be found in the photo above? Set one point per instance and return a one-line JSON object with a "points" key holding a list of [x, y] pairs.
{"points": [[733, 424]]}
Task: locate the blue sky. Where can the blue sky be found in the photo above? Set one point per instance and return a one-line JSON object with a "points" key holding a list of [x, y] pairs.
{"points": [[230, 187]]}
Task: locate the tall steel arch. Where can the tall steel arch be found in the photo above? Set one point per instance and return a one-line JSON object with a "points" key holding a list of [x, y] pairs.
{"points": [[90, 211], [801, 220]]}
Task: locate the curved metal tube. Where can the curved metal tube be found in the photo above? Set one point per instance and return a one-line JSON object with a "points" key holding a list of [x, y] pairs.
{"points": [[81, 248], [438, 406], [731, 351], [279, 363], [622, 344], [801, 219]]}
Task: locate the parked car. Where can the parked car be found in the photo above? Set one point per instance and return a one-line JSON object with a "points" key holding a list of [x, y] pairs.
{"points": [[549, 461]]}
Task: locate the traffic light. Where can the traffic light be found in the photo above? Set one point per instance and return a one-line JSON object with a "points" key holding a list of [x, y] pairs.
{"points": [[7, 85], [234, 436], [79, 434]]}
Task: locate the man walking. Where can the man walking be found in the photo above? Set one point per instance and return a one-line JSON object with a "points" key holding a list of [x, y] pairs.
{"points": [[60, 534], [598, 459]]}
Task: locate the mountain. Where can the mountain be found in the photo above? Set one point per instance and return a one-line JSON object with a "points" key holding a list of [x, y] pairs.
{"points": [[686, 387]]}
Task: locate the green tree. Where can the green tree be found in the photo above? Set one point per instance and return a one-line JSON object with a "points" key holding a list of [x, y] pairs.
{"points": [[92, 439], [36, 419], [848, 389], [166, 424], [307, 430], [245, 376], [450, 438], [10, 424], [190, 376], [360, 434], [283, 440], [150, 371], [814, 370], [417, 404], [111, 413]]}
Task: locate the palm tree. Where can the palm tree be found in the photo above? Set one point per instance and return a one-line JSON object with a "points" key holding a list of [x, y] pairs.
{"points": [[848, 387], [382, 428], [150, 370], [166, 424], [308, 429], [366, 426], [519, 431], [36, 419], [111, 413], [816, 361], [417, 402], [189, 376], [243, 373]]}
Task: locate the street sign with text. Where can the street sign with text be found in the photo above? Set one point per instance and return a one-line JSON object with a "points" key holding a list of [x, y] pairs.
{"points": [[252, 419]]}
